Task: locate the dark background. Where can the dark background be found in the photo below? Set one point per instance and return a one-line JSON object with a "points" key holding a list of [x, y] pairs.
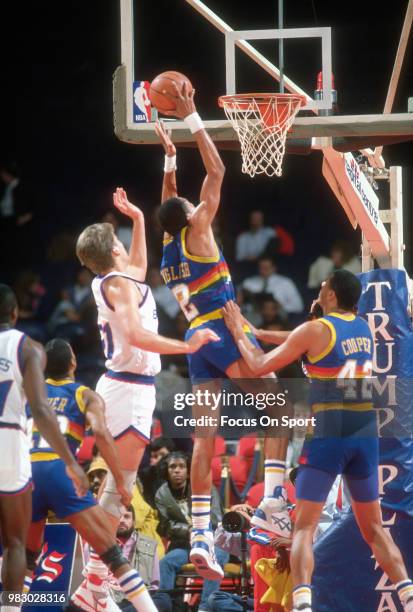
{"points": [[58, 60]]}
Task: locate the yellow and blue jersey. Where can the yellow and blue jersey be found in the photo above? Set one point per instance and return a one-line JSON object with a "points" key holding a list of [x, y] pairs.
{"points": [[345, 439], [66, 399], [53, 489], [202, 286]]}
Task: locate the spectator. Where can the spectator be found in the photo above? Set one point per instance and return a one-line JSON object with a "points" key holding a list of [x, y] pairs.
{"points": [[341, 256], [151, 476], [282, 288], [67, 318], [96, 474], [250, 245], [248, 309], [30, 293], [122, 230], [173, 501], [141, 553], [271, 311]]}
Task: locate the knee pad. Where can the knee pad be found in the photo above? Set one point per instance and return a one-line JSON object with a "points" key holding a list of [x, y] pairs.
{"points": [[31, 559], [114, 558], [110, 499]]}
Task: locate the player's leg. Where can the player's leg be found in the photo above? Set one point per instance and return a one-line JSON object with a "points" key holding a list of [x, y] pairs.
{"points": [[94, 527], [272, 512], [34, 545], [386, 552], [15, 516], [202, 544], [312, 488]]}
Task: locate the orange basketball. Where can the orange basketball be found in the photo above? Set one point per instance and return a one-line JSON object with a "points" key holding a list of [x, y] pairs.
{"points": [[164, 82]]}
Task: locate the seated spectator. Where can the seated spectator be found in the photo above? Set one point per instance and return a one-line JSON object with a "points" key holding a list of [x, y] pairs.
{"points": [[173, 501], [146, 521], [341, 256], [282, 288], [141, 552], [68, 317], [250, 245], [151, 476], [96, 473], [271, 311], [248, 309]]}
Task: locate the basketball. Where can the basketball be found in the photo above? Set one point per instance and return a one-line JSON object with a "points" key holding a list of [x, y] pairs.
{"points": [[164, 82]]}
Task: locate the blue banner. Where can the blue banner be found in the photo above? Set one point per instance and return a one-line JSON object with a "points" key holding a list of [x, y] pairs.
{"points": [[347, 577]]}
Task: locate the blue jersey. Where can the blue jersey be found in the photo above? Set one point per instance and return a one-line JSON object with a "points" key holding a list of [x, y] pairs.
{"points": [[202, 285], [66, 399]]}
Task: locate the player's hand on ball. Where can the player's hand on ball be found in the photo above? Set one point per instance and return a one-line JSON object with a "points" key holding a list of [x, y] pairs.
{"points": [[232, 316], [165, 138], [183, 100], [121, 202], [201, 337], [79, 479]]}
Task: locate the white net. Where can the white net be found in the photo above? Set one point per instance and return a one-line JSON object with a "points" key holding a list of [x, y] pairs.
{"points": [[261, 122]]}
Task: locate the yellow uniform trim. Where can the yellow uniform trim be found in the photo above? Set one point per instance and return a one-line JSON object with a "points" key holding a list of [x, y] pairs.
{"points": [[197, 258], [167, 241], [344, 317], [43, 456], [330, 345], [212, 316], [79, 398], [137, 592], [59, 383], [362, 407], [274, 470]]}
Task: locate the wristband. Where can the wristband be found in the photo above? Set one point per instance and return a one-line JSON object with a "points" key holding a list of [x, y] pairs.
{"points": [[170, 163], [194, 122]]}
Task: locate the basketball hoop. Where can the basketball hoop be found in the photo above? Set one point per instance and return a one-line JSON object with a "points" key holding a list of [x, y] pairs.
{"points": [[261, 122]]}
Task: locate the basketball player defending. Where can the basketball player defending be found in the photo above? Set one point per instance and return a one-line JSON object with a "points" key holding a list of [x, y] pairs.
{"points": [[128, 324], [198, 275], [21, 376], [338, 345]]}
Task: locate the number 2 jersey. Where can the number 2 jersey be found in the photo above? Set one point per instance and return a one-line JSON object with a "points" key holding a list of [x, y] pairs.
{"points": [[120, 355]]}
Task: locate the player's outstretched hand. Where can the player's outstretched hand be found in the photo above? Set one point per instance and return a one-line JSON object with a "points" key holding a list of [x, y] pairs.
{"points": [[165, 138], [120, 200], [232, 316], [183, 100], [79, 479], [201, 337]]}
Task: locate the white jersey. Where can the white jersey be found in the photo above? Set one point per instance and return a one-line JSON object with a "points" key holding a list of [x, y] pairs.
{"points": [[12, 396], [120, 355]]}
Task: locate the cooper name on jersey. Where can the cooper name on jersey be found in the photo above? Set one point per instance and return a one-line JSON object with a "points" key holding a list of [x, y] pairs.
{"points": [[360, 344]]}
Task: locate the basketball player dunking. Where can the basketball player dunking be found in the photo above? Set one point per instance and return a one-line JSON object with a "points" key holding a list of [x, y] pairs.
{"points": [[198, 275], [128, 323], [337, 346]]}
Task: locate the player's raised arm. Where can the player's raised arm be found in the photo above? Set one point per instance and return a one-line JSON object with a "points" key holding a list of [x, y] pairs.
{"points": [[211, 187], [34, 361], [124, 298], [138, 261], [95, 415], [169, 189]]}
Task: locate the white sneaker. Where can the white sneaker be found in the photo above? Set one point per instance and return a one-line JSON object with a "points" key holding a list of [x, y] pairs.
{"points": [[272, 515], [202, 555], [92, 594]]}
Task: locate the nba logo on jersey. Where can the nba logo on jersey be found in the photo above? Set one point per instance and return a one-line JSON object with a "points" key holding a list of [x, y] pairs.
{"points": [[142, 111]]}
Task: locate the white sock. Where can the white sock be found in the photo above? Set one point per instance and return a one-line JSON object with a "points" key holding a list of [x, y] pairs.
{"points": [[27, 585], [96, 566], [302, 596], [405, 593], [135, 591], [201, 511], [274, 476], [11, 608]]}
